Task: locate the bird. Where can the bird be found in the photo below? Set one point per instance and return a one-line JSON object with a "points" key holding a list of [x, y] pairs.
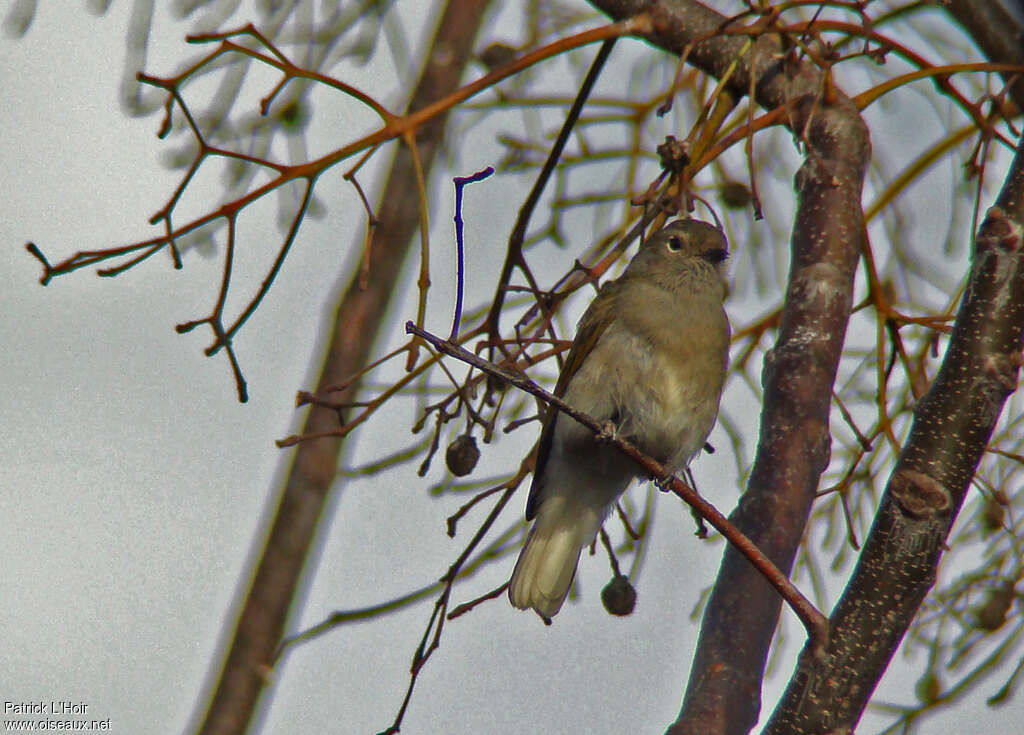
{"points": [[650, 357]]}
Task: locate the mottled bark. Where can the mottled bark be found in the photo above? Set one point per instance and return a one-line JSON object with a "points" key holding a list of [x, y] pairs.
{"points": [[358, 320], [951, 428], [723, 693]]}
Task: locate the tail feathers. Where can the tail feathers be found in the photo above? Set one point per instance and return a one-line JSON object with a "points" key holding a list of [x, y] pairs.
{"points": [[545, 570]]}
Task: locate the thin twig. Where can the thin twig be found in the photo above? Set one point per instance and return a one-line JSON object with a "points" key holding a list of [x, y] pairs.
{"points": [[514, 256], [460, 183], [812, 619]]}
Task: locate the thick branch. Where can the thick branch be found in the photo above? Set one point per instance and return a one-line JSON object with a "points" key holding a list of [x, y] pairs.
{"points": [[678, 23], [997, 33], [951, 428], [358, 319], [723, 693]]}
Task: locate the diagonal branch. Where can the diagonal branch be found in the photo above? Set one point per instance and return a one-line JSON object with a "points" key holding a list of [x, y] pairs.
{"points": [[723, 693], [261, 622], [951, 428], [813, 621]]}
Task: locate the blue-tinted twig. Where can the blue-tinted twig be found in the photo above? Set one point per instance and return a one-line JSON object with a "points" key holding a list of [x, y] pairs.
{"points": [[461, 181]]}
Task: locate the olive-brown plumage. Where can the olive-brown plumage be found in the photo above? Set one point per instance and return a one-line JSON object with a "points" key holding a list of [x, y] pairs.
{"points": [[650, 356]]}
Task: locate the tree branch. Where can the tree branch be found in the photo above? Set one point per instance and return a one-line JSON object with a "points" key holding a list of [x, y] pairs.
{"points": [[997, 33], [809, 615], [723, 693], [313, 472], [951, 428]]}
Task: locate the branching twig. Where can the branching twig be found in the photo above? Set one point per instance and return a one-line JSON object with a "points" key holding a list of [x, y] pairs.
{"points": [[514, 252], [812, 619], [254, 639]]}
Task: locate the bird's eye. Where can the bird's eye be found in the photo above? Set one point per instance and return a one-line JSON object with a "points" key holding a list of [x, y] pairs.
{"points": [[675, 243]]}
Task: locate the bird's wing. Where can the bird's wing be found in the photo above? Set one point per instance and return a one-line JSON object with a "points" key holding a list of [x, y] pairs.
{"points": [[593, 323]]}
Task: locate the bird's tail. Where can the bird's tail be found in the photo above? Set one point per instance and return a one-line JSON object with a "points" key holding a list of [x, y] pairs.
{"points": [[546, 567]]}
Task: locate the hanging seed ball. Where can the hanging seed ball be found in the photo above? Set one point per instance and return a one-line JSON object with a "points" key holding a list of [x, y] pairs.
{"points": [[496, 385], [618, 596], [497, 54], [735, 195], [294, 116], [992, 613], [462, 455], [928, 687], [992, 515]]}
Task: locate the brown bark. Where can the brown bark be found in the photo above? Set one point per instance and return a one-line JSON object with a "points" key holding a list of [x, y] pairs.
{"points": [[997, 33], [358, 320], [723, 692], [951, 428]]}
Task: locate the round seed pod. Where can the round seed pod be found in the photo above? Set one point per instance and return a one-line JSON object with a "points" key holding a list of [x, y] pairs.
{"points": [[619, 596], [462, 455]]}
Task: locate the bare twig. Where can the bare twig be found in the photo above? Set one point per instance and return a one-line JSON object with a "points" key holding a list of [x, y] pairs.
{"points": [[460, 184], [813, 620], [260, 623], [514, 252]]}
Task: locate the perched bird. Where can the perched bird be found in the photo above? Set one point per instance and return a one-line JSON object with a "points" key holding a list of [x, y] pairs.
{"points": [[650, 356]]}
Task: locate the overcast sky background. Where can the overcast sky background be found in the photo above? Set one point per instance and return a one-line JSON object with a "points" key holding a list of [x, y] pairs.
{"points": [[134, 486]]}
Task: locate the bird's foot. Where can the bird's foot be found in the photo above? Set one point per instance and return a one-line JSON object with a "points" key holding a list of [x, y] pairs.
{"points": [[663, 483], [608, 431]]}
